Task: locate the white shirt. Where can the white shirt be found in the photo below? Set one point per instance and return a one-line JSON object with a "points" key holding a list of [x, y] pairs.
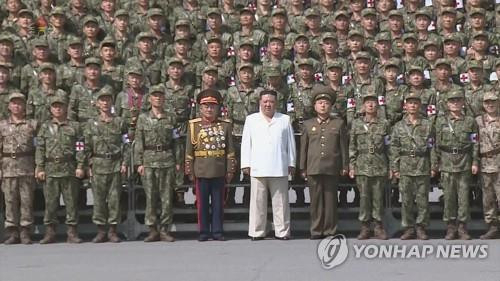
{"points": [[268, 148]]}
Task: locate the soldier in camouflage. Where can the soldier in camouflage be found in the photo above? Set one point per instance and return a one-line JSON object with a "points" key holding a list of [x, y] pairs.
{"points": [[60, 160]]}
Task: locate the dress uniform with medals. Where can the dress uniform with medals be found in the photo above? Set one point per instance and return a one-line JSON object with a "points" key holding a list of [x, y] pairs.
{"points": [[210, 161]]}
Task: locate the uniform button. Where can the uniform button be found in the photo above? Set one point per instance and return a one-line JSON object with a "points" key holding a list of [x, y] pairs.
{"points": [[322, 129], [322, 144], [322, 137]]}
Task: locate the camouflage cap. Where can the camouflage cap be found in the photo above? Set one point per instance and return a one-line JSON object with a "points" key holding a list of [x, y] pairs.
{"points": [[143, 35], [155, 12], [455, 94], [135, 70], [213, 11], [174, 60], [209, 68], [430, 42], [25, 11], [369, 94], [474, 11], [355, 32], [157, 89], [423, 12], [448, 10], [394, 62], [415, 68], [246, 42], [58, 99], [181, 22], [278, 11], [88, 19], [209, 96], [328, 35], [300, 35], [368, 12], [245, 65], [214, 38], [73, 40], [121, 12], [490, 95], [6, 38], [383, 36], [17, 95], [184, 37], [247, 10], [105, 91], [395, 13], [273, 72], [410, 35], [108, 41], [474, 64], [305, 62], [58, 11], [452, 37], [363, 55], [311, 12], [276, 37], [40, 42], [334, 64], [322, 92], [93, 60], [443, 61], [480, 34], [413, 96], [47, 66], [5, 66], [341, 13]]}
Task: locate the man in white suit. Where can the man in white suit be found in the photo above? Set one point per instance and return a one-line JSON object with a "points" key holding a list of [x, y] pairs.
{"points": [[268, 156]]}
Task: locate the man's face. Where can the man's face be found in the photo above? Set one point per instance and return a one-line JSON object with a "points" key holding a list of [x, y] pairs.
{"points": [[322, 106], [329, 46], [209, 78], [104, 103], [4, 75], [451, 47], [245, 52], [455, 104], [480, 43], [134, 80], [6, 49], [395, 23], [90, 29], [443, 72], [57, 20], [108, 5], [157, 99], [313, 22], [334, 74], [25, 20], [214, 21], [108, 53], [175, 70], [156, 22], [182, 47], [431, 53], [121, 23], [491, 106], [422, 22], [383, 46], [370, 105], [276, 48], [355, 43], [416, 78], [246, 75], [341, 23], [278, 21], [412, 106], [391, 73], [246, 19], [477, 21], [448, 20], [92, 71], [369, 22], [209, 110], [41, 53], [58, 110], [410, 46], [362, 65], [47, 76], [75, 51], [356, 5], [214, 49], [301, 46], [17, 106], [306, 71], [268, 104], [145, 45], [476, 74]]}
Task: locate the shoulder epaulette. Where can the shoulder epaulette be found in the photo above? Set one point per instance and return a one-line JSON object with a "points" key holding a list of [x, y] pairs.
{"points": [[224, 120], [195, 120]]}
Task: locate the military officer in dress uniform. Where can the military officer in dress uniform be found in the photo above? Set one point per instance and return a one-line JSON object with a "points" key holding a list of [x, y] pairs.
{"points": [[210, 162]]}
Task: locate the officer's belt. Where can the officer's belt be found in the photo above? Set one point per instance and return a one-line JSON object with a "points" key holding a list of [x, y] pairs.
{"points": [[15, 155], [414, 153], [210, 153], [108, 156], [60, 159], [490, 153], [455, 150], [158, 148], [371, 150]]}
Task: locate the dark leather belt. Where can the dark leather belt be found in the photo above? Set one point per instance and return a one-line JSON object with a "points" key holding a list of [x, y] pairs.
{"points": [[15, 155], [108, 156], [158, 148], [455, 150], [413, 153], [490, 153], [371, 150], [60, 159]]}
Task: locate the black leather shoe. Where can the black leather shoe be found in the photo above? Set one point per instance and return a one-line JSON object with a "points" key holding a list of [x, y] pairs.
{"points": [[203, 238], [282, 238], [219, 238], [256, 238]]}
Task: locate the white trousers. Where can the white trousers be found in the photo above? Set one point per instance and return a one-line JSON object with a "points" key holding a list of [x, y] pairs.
{"points": [[278, 187]]}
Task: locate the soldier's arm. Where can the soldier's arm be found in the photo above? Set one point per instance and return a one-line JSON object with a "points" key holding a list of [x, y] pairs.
{"points": [[344, 145], [189, 156], [475, 144], [126, 146], [30, 111], [304, 146], [89, 144], [435, 152], [353, 150], [139, 142], [73, 104], [80, 147], [118, 104], [394, 150], [40, 150]]}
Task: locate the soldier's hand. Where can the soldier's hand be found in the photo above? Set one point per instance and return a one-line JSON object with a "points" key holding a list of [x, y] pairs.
{"points": [[351, 174], [246, 171], [79, 173], [396, 175], [291, 171], [229, 177], [140, 170], [303, 174], [123, 170], [178, 167], [475, 169], [90, 172], [344, 172], [40, 176], [433, 173]]}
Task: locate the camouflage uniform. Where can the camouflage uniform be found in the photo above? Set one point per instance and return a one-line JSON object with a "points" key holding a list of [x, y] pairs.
{"points": [[154, 149]]}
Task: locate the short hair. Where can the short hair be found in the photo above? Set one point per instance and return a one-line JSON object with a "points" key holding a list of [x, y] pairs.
{"points": [[268, 92]]}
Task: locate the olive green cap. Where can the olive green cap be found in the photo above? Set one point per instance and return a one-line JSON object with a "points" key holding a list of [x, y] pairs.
{"points": [[213, 11], [173, 60], [135, 70], [448, 10], [246, 42], [58, 11], [88, 19], [273, 72], [40, 42], [411, 35], [443, 61], [311, 12], [180, 22], [209, 68], [155, 12], [107, 41], [58, 99], [341, 13], [334, 64], [157, 89], [246, 65], [383, 36], [73, 40], [47, 66], [121, 12], [369, 94], [415, 68], [276, 37], [278, 11], [322, 92], [300, 35], [430, 42], [490, 96], [474, 11], [480, 33], [423, 12], [413, 96], [214, 38], [93, 60], [363, 55], [474, 64], [25, 11], [328, 35], [182, 37], [305, 62], [105, 91], [452, 37], [5, 66], [246, 9], [17, 95], [8, 38], [456, 93], [144, 34], [368, 12], [394, 62], [395, 13], [355, 32]]}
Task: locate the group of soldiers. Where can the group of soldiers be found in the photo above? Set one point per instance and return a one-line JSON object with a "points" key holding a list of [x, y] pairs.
{"points": [[82, 81]]}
